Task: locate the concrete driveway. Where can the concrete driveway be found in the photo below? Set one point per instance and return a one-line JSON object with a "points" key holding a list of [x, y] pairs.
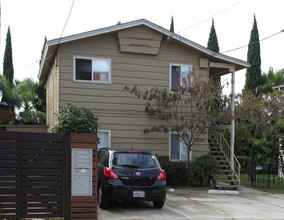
{"points": [[196, 203]]}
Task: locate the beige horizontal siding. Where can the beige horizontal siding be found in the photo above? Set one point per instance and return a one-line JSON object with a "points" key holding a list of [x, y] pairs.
{"points": [[117, 110], [52, 96]]}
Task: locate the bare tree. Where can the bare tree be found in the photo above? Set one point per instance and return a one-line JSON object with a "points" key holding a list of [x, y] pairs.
{"points": [[187, 110]]}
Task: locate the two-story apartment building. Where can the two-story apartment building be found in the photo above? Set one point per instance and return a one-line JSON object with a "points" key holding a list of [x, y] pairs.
{"points": [[90, 70]]}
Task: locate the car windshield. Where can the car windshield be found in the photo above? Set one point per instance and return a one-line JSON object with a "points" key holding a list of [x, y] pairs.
{"points": [[134, 160]]}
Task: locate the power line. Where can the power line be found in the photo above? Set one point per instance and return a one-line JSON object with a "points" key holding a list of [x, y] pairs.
{"points": [[254, 42], [66, 21], [60, 35], [209, 17], [28, 64], [37, 61]]}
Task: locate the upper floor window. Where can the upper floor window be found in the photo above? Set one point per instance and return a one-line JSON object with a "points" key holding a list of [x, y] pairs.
{"points": [[181, 75], [92, 69]]}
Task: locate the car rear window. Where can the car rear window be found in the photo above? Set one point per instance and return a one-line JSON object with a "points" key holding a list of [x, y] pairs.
{"points": [[134, 160]]}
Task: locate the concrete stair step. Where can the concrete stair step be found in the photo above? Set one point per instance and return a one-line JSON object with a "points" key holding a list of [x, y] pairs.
{"points": [[216, 153], [227, 181], [221, 157], [213, 143], [225, 167], [224, 175], [222, 161], [225, 186], [225, 172]]}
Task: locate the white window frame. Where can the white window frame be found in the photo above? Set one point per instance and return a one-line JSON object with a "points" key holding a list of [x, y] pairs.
{"points": [[109, 135], [170, 74], [190, 154], [93, 59]]}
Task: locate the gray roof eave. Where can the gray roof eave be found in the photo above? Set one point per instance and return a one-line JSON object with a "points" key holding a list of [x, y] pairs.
{"points": [[50, 44]]}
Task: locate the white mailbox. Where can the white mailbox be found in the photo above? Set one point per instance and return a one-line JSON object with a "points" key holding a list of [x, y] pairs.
{"points": [[82, 172]]}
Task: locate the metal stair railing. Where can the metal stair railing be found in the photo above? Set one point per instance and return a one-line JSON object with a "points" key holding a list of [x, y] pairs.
{"points": [[227, 151]]}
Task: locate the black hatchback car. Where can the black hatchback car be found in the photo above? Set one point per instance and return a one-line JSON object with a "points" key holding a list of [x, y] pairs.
{"points": [[130, 175]]}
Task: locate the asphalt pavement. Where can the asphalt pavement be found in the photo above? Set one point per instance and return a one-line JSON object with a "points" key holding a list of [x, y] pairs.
{"points": [[197, 203]]}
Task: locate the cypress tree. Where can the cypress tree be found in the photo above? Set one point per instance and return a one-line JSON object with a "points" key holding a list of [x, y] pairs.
{"points": [[172, 25], [213, 41], [42, 50], [8, 69], [253, 73]]}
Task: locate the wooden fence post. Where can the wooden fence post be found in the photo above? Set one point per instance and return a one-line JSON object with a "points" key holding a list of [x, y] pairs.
{"points": [[66, 176]]}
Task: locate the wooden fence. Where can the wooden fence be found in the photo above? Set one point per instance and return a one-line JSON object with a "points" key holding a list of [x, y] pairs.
{"points": [[35, 176]]}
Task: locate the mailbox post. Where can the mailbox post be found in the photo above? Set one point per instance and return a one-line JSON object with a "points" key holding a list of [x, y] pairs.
{"points": [[83, 177], [82, 172]]}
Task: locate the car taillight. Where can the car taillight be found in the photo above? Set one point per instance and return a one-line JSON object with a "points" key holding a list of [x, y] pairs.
{"points": [[110, 174], [162, 175]]}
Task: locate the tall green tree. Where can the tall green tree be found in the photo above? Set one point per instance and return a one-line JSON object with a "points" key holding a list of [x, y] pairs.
{"points": [[253, 73], [172, 29], [259, 127], [40, 101], [40, 98], [213, 40], [42, 50], [8, 69]]}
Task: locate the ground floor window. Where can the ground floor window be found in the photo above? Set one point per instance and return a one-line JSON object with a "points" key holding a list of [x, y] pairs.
{"points": [[178, 149], [104, 138]]}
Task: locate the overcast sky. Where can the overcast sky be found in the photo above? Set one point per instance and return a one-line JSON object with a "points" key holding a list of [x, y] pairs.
{"points": [[31, 20]]}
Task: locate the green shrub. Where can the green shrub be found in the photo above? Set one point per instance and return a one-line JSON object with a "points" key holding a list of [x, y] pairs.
{"points": [[201, 170], [175, 172], [72, 119]]}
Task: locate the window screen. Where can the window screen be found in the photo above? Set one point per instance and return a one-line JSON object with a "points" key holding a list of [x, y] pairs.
{"points": [[181, 75], [101, 70], [175, 77], [178, 148], [175, 147], [83, 69]]}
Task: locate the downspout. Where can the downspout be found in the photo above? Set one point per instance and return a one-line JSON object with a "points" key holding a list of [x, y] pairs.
{"points": [[233, 118]]}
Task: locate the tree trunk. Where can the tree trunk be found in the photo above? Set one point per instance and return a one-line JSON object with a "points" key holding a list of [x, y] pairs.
{"points": [[187, 162]]}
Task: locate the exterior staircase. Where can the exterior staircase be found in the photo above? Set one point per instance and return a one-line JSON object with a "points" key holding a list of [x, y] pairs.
{"points": [[229, 178]]}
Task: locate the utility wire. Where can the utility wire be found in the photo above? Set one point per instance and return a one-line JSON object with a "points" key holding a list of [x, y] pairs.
{"points": [[37, 61], [62, 30], [28, 64], [254, 42], [66, 21], [61, 33], [209, 17]]}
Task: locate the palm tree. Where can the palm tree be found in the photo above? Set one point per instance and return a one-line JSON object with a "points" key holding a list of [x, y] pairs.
{"points": [[269, 80], [29, 114], [9, 94]]}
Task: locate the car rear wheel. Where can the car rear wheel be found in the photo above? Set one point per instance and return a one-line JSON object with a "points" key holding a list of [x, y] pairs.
{"points": [[158, 204], [101, 198]]}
